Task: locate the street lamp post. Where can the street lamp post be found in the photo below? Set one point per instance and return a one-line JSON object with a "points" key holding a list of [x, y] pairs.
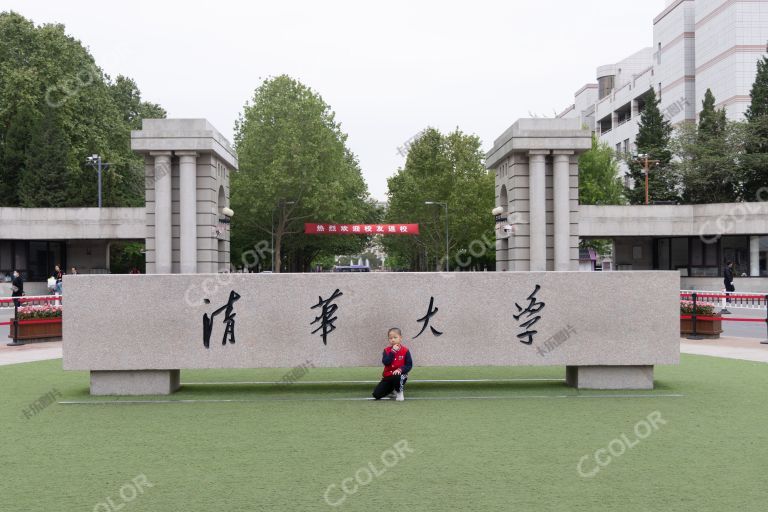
{"points": [[280, 204], [445, 205], [95, 162]]}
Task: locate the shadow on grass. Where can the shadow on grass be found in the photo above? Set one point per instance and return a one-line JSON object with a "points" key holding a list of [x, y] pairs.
{"points": [[323, 388], [334, 391]]}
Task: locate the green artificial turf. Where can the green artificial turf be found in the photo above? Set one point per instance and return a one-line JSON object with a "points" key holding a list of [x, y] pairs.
{"points": [[511, 446]]}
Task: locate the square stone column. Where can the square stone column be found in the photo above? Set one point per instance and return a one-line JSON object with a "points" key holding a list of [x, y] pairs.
{"points": [[163, 218], [538, 209], [562, 209], [754, 256], [188, 211]]}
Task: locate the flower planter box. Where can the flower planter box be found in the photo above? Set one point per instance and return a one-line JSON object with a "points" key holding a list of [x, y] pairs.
{"points": [[42, 331], [706, 328]]}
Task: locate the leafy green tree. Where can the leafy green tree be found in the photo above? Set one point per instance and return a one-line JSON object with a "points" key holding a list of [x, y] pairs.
{"points": [[127, 97], [52, 90], [442, 168], [599, 181], [599, 184], [294, 168], [708, 156], [755, 159], [653, 139]]}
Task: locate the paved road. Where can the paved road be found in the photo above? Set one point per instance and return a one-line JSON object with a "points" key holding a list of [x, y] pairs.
{"points": [[745, 329]]}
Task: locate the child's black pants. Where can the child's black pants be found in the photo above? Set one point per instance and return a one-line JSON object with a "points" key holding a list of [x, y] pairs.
{"points": [[389, 384]]}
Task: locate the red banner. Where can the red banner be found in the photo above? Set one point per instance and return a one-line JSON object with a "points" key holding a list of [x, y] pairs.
{"points": [[361, 229]]}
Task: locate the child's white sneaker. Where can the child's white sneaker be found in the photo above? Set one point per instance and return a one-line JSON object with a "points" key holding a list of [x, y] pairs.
{"points": [[400, 396], [392, 395]]}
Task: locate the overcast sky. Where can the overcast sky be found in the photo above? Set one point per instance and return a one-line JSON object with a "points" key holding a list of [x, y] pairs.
{"points": [[388, 69]]}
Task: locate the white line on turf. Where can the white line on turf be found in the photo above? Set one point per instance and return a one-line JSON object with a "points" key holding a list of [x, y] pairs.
{"points": [[350, 399], [410, 381]]}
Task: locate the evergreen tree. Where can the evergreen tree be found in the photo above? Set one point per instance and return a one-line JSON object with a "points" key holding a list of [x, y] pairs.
{"points": [[43, 181], [711, 121], [759, 93], [14, 141], [653, 139], [755, 159], [708, 156]]}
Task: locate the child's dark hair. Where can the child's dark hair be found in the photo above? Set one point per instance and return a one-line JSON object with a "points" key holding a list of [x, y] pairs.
{"points": [[396, 329]]}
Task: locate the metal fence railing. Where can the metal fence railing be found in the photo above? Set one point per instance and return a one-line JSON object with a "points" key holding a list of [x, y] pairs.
{"points": [[722, 300]]}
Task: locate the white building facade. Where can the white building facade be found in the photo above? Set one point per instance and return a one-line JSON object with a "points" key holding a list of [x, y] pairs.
{"points": [[697, 45]]}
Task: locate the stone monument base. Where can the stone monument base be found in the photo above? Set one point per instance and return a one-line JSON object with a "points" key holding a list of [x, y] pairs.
{"points": [[134, 382], [609, 377]]}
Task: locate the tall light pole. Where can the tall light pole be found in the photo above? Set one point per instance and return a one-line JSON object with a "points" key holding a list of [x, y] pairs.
{"points": [[445, 205], [280, 204], [95, 162], [646, 161]]}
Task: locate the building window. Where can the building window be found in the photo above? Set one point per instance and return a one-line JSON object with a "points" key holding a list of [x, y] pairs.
{"points": [[659, 91], [658, 55], [679, 255], [704, 261], [6, 260], [626, 146], [662, 254], [618, 148], [604, 86], [33, 259], [736, 249]]}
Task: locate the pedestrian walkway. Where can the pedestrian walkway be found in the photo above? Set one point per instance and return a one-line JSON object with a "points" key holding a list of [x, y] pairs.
{"points": [[30, 352], [747, 349]]}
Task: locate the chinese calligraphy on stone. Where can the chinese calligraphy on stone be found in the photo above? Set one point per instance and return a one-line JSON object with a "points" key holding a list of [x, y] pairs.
{"points": [[229, 320], [533, 307], [326, 316], [430, 313]]}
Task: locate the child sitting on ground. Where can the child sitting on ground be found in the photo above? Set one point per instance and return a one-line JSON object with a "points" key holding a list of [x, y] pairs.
{"points": [[397, 363]]}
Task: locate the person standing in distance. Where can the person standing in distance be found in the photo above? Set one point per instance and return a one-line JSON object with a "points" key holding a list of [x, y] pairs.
{"points": [[17, 286], [728, 282]]}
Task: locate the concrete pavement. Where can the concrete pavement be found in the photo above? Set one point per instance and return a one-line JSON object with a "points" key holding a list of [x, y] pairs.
{"points": [[747, 349], [29, 353], [24, 353]]}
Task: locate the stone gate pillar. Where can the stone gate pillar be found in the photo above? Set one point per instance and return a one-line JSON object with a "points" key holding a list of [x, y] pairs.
{"points": [[536, 167], [187, 168]]}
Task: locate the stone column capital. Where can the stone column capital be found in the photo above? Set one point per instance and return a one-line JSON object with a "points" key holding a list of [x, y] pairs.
{"points": [[161, 153], [186, 153], [538, 152], [563, 152]]}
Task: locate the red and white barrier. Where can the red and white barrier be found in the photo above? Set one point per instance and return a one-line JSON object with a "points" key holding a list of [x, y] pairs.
{"points": [[720, 299]]}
